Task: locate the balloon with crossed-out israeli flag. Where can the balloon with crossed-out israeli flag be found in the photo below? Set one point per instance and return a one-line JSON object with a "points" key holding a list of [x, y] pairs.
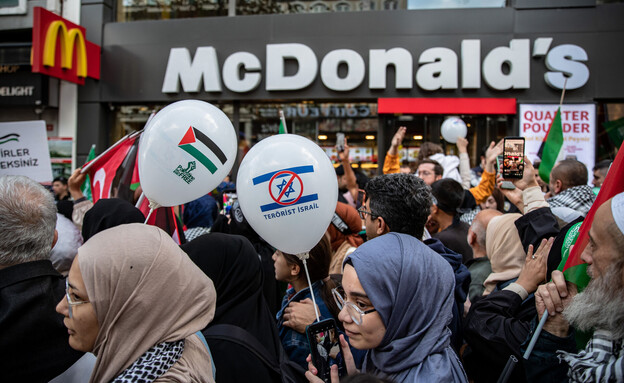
{"points": [[287, 190]]}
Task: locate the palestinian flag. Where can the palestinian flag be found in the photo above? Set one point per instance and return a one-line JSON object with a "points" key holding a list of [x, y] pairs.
{"points": [[190, 144], [282, 126], [550, 148], [573, 267]]}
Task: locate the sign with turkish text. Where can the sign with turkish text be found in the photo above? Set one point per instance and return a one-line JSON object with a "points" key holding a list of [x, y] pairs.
{"points": [[61, 50], [578, 122], [24, 150]]}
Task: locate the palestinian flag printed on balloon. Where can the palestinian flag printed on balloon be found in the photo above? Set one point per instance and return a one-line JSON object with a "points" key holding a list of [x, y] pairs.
{"points": [[194, 141], [573, 267], [550, 148]]}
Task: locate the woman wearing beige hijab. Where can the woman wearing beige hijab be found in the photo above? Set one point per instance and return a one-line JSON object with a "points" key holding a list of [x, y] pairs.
{"points": [[136, 301], [504, 249]]}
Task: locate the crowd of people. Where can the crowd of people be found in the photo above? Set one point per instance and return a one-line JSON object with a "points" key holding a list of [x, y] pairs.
{"points": [[432, 273]]}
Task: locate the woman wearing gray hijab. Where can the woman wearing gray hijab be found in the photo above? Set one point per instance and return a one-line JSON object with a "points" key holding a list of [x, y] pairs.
{"points": [[397, 303]]}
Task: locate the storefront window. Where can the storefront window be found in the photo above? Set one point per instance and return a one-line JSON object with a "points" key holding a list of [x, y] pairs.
{"points": [[131, 10], [437, 4], [317, 121]]}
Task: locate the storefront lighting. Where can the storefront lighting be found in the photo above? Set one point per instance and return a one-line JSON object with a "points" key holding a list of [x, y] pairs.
{"points": [[370, 137], [322, 137], [418, 137], [369, 166]]}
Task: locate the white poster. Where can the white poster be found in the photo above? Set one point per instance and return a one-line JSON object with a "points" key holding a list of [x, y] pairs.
{"points": [[578, 122], [24, 150]]}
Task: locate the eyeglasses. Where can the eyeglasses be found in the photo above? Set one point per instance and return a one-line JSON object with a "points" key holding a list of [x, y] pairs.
{"points": [[362, 213], [354, 312], [69, 300]]}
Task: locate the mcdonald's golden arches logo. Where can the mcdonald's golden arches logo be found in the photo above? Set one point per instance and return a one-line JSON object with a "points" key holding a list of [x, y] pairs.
{"points": [[61, 50]]}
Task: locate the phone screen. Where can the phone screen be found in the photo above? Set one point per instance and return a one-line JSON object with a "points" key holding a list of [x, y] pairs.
{"points": [[340, 140], [513, 157], [325, 347]]}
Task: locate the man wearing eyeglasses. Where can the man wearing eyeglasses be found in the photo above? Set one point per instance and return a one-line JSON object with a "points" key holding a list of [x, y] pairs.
{"points": [[33, 344], [402, 203]]}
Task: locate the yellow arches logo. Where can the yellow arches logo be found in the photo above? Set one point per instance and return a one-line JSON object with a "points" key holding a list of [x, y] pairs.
{"points": [[70, 41], [61, 50]]}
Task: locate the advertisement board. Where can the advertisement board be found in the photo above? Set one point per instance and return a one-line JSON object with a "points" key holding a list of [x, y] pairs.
{"points": [[578, 122]]}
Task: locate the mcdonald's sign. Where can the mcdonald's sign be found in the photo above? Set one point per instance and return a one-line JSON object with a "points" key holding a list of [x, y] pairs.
{"points": [[60, 49]]}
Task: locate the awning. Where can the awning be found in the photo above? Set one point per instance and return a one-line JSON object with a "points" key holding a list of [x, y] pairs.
{"points": [[446, 105]]}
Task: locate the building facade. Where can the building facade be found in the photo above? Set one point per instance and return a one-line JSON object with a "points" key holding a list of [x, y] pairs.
{"points": [[361, 68]]}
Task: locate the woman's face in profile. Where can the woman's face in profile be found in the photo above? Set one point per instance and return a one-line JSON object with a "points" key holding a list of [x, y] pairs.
{"points": [[82, 326], [490, 203], [371, 332]]}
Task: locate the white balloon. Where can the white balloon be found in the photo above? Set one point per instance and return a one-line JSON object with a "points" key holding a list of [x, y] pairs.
{"points": [[186, 150], [453, 128], [287, 190]]}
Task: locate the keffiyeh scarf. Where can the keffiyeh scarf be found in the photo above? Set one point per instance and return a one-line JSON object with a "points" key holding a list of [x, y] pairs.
{"points": [[153, 364], [601, 361], [579, 198]]}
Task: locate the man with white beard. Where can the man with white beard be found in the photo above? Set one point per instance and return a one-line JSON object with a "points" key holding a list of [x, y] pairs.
{"points": [[600, 307]]}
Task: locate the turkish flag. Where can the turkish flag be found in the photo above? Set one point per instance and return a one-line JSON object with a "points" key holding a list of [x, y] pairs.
{"points": [[103, 169]]}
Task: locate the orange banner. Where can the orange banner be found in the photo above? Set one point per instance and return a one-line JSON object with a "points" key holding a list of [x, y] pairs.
{"points": [[60, 49]]}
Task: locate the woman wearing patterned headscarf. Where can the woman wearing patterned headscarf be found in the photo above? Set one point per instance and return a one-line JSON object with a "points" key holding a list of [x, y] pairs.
{"points": [[136, 301]]}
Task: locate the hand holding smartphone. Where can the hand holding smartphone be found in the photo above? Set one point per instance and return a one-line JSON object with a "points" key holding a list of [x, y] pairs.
{"points": [[340, 142], [324, 342]]}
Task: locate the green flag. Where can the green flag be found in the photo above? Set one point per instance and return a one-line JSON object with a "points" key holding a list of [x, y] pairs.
{"points": [[86, 185], [550, 148], [282, 126]]}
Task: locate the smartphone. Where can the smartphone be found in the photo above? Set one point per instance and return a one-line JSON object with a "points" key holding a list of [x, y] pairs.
{"points": [[325, 348], [506, 184], [340, 141], [513, 157]]}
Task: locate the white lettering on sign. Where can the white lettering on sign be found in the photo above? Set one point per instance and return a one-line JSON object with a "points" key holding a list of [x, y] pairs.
{"points": [[343, 70], [191, 73], [277, 54], [9, 91], [355, 70], [233, 66], [567, 59]]}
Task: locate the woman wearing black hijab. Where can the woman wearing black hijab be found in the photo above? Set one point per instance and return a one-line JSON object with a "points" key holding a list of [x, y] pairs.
{"points": [[107, 213], [234, 267]]}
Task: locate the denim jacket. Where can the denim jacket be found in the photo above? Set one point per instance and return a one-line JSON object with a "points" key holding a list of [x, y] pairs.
{"points": [[296, 344]]}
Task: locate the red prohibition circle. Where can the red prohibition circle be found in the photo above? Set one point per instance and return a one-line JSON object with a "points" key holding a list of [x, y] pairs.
{"points": [[290, 181]]}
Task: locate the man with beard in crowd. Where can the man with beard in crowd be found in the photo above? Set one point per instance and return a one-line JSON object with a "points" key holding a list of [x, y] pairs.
{"points": [[600, 307]]}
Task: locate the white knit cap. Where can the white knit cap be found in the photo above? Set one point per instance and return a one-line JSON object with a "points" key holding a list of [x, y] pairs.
{"points": [[617, 209]]}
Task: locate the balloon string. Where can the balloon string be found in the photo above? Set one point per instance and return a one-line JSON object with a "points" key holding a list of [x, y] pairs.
{"points": [[305, 267], [153, 206]]}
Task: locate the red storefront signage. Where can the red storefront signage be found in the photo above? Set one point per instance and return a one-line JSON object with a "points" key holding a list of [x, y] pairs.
{"points": [[61, 50]]}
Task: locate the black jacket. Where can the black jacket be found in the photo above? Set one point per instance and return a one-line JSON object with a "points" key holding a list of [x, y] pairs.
{"points": [[462, 283], [34, 344], [494, 329]]}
